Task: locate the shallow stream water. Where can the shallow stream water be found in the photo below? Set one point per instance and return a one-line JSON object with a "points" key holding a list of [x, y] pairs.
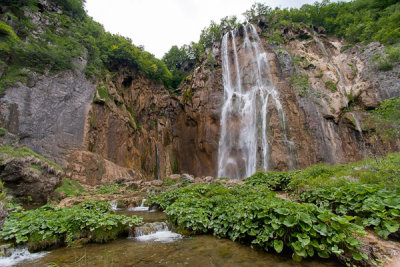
{"points": [[166, 249]]}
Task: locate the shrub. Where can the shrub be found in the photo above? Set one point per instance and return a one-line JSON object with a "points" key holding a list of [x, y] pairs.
{"points": [[384, 65], [276, 181]]}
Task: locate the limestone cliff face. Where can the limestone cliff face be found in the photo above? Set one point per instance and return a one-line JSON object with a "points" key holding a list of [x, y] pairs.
{"points": [[325, 91], [129, 126], [142, 127]]}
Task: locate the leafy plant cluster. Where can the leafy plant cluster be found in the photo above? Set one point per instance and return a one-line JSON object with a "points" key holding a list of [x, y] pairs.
{"points": [[275, 181], [254, 215], [373, 205], [169, 182], [48, 226]]}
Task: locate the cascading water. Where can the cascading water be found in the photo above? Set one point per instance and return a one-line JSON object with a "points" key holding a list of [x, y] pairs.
{"points": [[248, 90]]}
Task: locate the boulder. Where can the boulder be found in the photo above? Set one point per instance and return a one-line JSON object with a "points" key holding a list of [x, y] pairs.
{"points": [[187, 178], [174, 177], [157, 182], [29, 179]]}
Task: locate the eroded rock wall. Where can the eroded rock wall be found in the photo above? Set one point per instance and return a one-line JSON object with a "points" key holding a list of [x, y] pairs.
{"points": [[139, 131]]}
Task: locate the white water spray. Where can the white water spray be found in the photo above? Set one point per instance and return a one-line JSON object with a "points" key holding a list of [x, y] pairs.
{"points": [[248, 92]]}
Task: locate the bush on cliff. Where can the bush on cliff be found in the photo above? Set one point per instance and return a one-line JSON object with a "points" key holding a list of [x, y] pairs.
{"points": [[67, 35]]}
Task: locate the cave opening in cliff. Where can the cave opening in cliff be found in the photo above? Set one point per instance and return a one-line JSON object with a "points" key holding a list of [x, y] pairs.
{"points": [[127, 82]]}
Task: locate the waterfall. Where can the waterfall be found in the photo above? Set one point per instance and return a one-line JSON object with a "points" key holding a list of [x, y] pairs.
{"points": [[142, 207], [359, 129], [248, 92]]}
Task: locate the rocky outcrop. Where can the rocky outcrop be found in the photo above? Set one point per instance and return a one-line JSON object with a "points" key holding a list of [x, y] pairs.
{"points": [[49, 112], [92, 169], [29, 179]]}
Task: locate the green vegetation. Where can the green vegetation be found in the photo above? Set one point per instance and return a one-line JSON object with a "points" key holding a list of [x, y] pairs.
{"points": [[275, 181], [300, 82], [50, 226], [181, 61], [174, 165], [70, 188], [357, 21], [169, 182], [108, 189], [385, 120], [383, 171], [252, 214], [372, 205], [24, 152], [63, 41], [335, 202], [331, 86]]}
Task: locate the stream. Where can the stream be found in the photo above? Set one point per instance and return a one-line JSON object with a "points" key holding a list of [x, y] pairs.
{"points": [[163, 248]]}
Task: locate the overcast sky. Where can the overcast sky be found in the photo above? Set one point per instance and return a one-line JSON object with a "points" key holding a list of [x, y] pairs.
{"points": [[160, 24]]}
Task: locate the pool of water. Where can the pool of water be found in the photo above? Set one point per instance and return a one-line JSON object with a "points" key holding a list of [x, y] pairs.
{"points": [[202, 250], [167, 249]]}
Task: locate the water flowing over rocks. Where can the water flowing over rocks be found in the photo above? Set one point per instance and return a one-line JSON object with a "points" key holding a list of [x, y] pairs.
{"points": [[249, 92]]}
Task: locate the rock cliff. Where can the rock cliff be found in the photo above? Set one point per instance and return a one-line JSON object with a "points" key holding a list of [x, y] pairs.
{"points": [[126, 125]]}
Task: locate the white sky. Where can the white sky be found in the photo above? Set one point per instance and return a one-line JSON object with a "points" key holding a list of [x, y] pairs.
{"points": [[160, 24]]}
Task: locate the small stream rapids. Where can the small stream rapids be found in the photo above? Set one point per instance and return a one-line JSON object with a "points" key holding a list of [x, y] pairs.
{"points": [[142, 207], [156, 232], [248, 93], [19, 255]]}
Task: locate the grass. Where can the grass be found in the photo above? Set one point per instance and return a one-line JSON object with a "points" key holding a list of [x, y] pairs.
{"points": [[108, 189], [71, 188], [381, 171], [25, 152], [169, 182]]}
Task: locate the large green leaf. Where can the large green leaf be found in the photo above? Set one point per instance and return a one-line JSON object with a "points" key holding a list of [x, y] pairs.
{"points": [[278, 245], [290, 221]]}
